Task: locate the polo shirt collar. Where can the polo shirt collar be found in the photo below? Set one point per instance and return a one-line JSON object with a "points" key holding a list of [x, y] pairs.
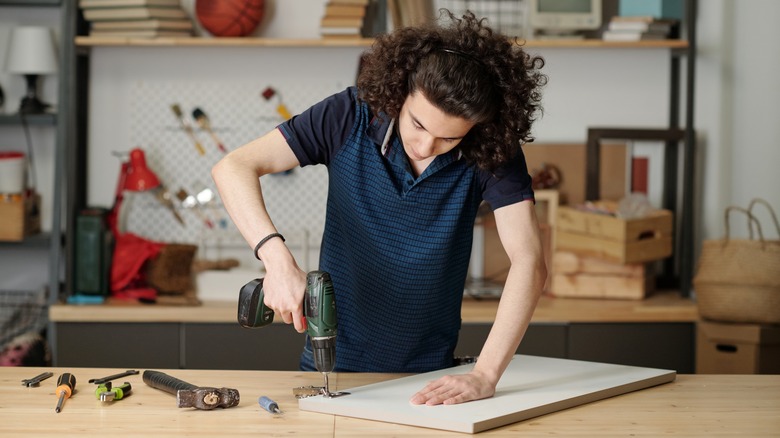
{"points": [[380, 131]]}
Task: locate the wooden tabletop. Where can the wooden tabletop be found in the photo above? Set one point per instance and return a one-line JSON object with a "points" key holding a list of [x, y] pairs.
{"points": [[659, 307], [692, 406]]}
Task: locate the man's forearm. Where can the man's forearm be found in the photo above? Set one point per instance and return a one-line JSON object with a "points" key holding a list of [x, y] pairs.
{"points": [[521, 293]]}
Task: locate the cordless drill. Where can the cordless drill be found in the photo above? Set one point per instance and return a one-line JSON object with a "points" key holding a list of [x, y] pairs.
{"points": [[319, 309]]}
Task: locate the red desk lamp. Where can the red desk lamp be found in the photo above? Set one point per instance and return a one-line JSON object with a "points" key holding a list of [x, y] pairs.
{"points": [[135, 176]]}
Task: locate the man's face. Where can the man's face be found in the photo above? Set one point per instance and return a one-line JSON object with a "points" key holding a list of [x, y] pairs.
{"points": [[426, 131]]}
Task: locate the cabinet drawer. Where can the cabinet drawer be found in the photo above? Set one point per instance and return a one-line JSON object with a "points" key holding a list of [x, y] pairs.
{"points": [[277, 347], [668, 346], [548, 340], [118, 345]]}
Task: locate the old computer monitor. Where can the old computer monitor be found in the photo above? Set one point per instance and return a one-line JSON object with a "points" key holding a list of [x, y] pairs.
{"points": [[564, 18]]}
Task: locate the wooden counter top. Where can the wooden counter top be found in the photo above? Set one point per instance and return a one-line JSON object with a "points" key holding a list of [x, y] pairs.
{"points": [[660, 307], [691, 406]]}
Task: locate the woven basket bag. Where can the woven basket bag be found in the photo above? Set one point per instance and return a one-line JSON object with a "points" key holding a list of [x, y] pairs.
{"points": [[738, 280]]}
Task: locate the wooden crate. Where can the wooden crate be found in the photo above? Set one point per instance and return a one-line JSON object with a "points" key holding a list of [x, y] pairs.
{"points": [[496, 265], [20, 216], [575, 275], [614, 239]]}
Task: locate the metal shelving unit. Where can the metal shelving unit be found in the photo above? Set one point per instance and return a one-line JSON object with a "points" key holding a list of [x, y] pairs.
{"points": [[53, 240]]}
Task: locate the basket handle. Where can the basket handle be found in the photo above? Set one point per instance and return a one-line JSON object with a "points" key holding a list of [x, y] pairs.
{"points": [[769, 208], [751, 219]]}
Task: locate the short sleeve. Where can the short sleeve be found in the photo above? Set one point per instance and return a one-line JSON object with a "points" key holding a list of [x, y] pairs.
{"points": [[316, 134], [508, 185]]}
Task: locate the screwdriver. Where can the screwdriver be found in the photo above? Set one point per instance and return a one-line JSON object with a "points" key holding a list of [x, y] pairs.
{"points": [[269, 405], [65, 385]]}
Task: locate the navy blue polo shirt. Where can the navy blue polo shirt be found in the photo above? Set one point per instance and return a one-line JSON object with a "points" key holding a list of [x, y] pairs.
{"points": [[397, 247]]}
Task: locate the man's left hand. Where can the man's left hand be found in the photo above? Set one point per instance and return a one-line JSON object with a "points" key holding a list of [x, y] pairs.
{"points": [[454, 389]]}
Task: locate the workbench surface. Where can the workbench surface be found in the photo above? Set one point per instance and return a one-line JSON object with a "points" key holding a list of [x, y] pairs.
{"points": [[660, 307], [691, 406]]}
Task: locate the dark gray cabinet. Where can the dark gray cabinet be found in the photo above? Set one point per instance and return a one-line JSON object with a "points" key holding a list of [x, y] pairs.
{"points": [[278, 347], [231, 347], [119, 345]]}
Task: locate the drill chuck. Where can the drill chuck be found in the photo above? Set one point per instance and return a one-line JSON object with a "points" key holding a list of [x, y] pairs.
{"points": [[324, 351]]}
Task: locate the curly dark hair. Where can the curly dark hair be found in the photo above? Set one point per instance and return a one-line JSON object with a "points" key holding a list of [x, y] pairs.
{"points": [[466, 70]]}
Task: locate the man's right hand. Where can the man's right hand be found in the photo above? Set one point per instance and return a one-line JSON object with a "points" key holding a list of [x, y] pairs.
{"points": [[284, 285]]}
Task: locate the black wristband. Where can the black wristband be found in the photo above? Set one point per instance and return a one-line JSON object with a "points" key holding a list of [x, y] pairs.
{"points": [[266, 239]]}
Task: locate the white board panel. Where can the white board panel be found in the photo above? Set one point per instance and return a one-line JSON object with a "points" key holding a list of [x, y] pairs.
{"points": [[530, 387]]}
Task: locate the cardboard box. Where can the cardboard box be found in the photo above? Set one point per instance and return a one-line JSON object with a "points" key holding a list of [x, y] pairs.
{"points": [[20, 216], [614, 239], [723, 348], [578, 276]]}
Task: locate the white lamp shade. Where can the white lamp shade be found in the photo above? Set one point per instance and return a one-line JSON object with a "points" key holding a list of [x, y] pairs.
{"points": [[31, 51]]}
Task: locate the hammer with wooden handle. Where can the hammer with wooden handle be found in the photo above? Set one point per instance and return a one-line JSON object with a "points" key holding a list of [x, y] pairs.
{"points": [[191, 396]]}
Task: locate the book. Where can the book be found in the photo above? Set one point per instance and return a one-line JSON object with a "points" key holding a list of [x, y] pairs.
{"points": [[143, 33], [405, 13], [616, 35], [350, 2], [133, 13], [640, 18], [340, 31], [151, 24], [85, 4], [667, 28], [341, 22], [643, 26], [375, 21], [344, 10]]}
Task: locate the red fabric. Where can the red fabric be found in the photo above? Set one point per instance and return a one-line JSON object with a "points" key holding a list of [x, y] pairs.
{"points": [[127, 277]]}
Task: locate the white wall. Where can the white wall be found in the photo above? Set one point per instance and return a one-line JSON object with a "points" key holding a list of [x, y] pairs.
{"points": [[738, 110]]}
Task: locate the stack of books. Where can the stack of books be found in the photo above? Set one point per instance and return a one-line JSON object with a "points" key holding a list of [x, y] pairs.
{"points": [[639, 28], [343, 18], [136, 18]]}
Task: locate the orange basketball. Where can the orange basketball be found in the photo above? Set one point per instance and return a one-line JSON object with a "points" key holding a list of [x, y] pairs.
{"points": [[229, 18]]}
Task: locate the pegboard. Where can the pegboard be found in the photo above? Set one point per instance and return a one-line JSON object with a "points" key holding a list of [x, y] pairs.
{"points": [[238, 114]]}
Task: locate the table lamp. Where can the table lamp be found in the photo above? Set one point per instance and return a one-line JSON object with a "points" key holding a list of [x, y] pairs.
{"points": [[135, 176], [31, 53]]}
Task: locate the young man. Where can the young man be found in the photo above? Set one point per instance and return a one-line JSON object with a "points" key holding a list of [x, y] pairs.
{"points": [[433, 129]]}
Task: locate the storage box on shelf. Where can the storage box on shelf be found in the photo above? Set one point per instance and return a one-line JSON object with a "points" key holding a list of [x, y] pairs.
{"points": [[725, 348], [580, 276], [20, 216], [612, 238]]}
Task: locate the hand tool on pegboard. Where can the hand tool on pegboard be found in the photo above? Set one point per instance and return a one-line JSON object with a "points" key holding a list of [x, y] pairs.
{"points": [[187, 127], [205, 124], [268, 94], [191, 396], [190, 202]]}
